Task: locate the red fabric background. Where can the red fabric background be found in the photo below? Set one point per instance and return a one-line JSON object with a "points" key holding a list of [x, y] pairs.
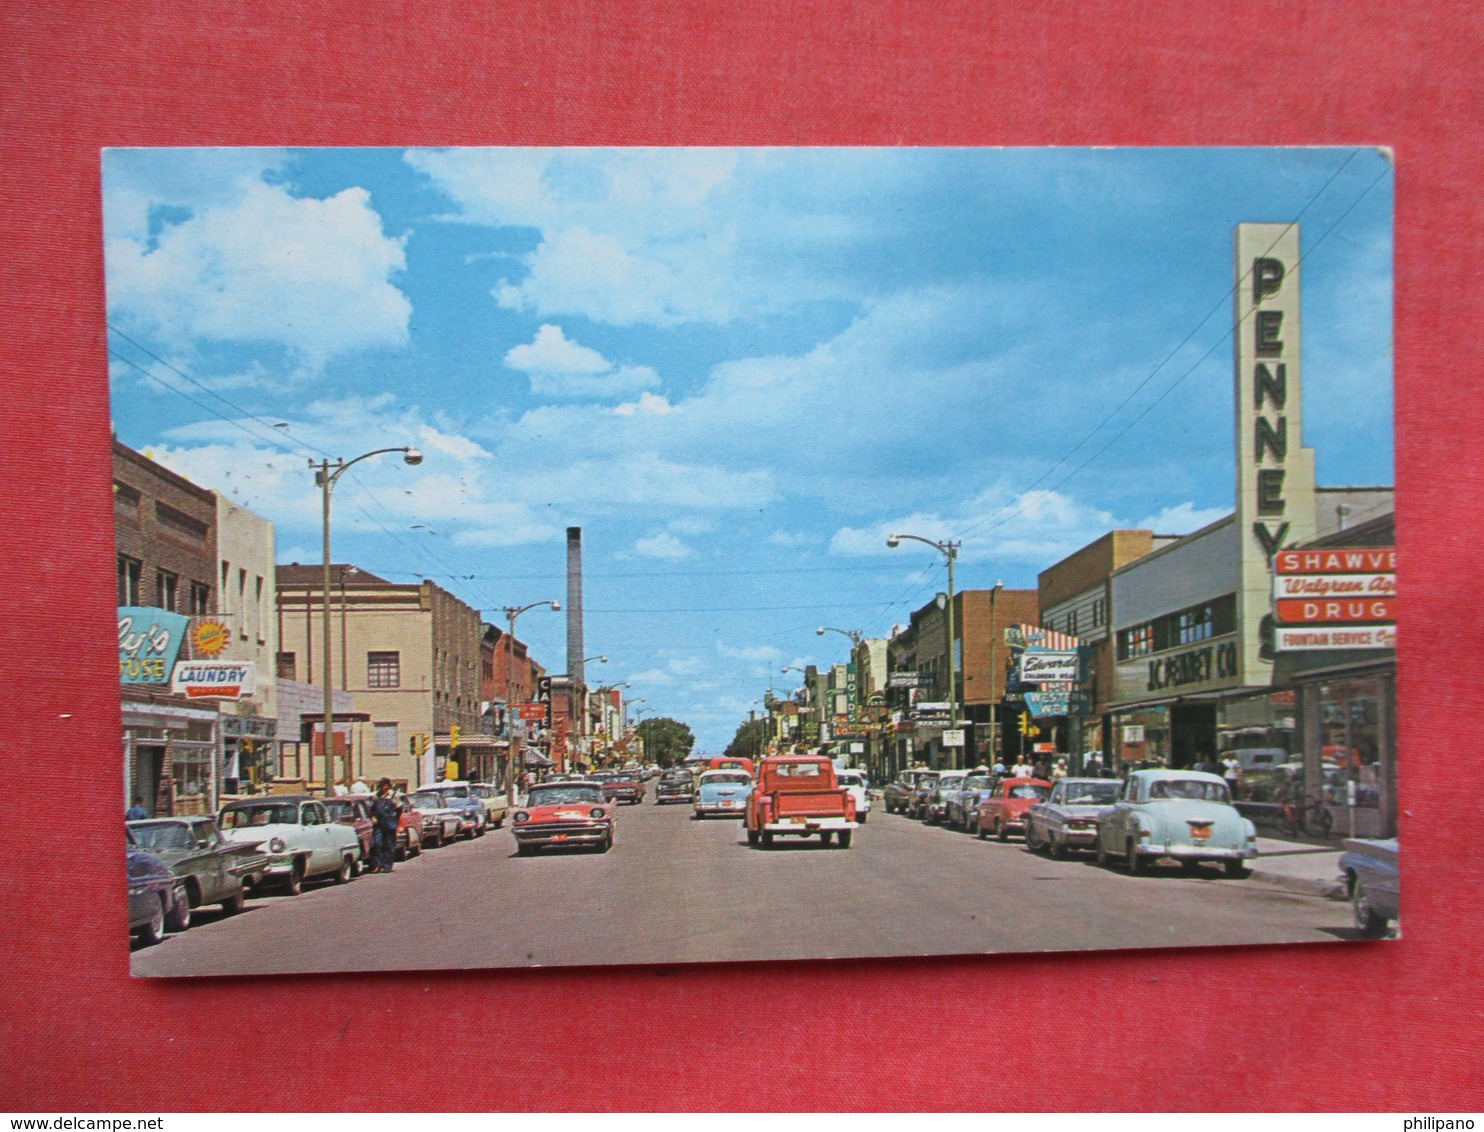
{"points": [[1390, 1027]]}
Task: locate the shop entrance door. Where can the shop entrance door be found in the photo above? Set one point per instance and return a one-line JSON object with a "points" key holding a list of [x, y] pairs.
{"points": [[149, 764], [1192, 733]]}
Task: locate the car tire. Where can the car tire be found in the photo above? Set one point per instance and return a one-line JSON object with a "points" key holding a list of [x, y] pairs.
{"points": [[178, 919], [607, 843], [971, 825], [752, 837], [347, 866], [1132, 859], [1236, 868], [980, 832], [522, 849], [235, 903], [861, 817], [767, 839], [1368, 922], [401, 853], [1104, 859], [846, 836], [1001, 833], [826, 838], [1190, 866], [154, 931], [1057, 847], [295, 882]]}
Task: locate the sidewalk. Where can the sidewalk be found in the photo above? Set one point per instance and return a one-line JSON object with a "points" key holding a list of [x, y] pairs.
{"points": [[1299, 866]]}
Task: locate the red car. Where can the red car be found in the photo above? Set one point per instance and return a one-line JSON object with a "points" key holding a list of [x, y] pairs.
{"points": [[1003, 812], [564, 813], [354, 811], [624, 787]]}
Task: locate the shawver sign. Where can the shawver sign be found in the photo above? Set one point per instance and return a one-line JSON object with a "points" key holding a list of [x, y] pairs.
{"points": [[1345, 598]]}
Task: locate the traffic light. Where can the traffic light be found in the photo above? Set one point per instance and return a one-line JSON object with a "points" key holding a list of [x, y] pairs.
{"points": [[453, 737]]}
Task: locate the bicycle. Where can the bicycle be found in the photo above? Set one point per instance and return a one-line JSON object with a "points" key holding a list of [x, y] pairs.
{"points": [[1311, 818]]}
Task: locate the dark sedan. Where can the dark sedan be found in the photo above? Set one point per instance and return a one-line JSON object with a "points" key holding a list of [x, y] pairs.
{"points": [[210, 869], [154, 897]]}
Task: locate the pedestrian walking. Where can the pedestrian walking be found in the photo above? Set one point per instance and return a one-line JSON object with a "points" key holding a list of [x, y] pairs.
{"points": [[1232, 772], [385, 813]]}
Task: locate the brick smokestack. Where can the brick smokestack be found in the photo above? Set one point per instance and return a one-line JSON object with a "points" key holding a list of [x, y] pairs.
{"points": [[574, 606]]}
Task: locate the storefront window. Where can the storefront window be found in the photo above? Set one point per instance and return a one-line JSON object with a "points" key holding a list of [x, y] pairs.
{"points": [[1349, 713], [1257, 734]]}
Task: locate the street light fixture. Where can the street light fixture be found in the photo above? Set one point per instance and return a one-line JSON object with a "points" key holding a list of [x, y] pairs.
{"points": [[326, 475], [855, 635], [949, 549], [512, 612]]}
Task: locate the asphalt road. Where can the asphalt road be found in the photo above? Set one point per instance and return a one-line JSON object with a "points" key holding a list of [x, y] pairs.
{"points": [[674, 890]]}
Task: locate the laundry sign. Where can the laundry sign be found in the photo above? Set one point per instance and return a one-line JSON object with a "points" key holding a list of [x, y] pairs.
{"points": [[214, 679]]}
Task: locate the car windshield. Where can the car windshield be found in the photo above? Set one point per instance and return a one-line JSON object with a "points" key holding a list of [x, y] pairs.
{"points": [[428, 800], [167, 835], [566, 792], [728, 778], [339, 811], [798, 770], [246, 817], [453, 791], [1189, 789], [1030, 790], [977, 782], [845, 778], [1091, 794]]}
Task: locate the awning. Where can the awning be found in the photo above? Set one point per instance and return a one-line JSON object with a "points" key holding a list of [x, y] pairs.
{"points": [[537, 759]]}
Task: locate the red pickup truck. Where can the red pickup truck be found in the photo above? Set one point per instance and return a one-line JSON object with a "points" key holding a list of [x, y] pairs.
{"points": [[799, 796]]}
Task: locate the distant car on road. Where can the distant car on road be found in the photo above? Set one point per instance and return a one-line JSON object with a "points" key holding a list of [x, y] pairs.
{"points": [[961, 804], [1068, 819], [1003, 811], [675, 787], [722, 793], [496, 804], [898, 794], [560, 814], [1372, 878], [935, 803], [154, 897], [922, 788], [859, 786], [623, 786], [441, 822], [1184, 814], [300, 839], [460, 796], [210, 869]]}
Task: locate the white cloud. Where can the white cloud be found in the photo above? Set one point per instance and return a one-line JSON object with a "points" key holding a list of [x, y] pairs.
{"points": [[650, 404], [561, 367], [310, 276], [662, 545], [1182, 519]]}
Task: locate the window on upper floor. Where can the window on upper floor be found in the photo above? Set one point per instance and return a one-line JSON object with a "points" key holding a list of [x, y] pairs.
{"points": [[287, 666], [200, 599], [166, 585], [383, 670], [129, 571]]}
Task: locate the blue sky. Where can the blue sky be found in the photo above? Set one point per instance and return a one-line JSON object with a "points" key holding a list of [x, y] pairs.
{"points": [[736, 369]]}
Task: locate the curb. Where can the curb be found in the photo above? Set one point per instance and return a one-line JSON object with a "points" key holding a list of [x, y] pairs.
{"points": [[1308, 886]]}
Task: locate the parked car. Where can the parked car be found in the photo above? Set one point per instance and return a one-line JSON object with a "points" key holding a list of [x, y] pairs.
{"points": [[675, 787], [154, 896], [897, 797], [859, 786], [623, 786], [935, 802], [354, 811], [1184, 814], [409, 829], [496, 804], [460, 796], [722, 793], [300, 839], [441, 822], [210, 869], [961, 808], [564, 814], [799, 796], [1068, 819], [1372, 879], [922, 786], [1003, 811]]}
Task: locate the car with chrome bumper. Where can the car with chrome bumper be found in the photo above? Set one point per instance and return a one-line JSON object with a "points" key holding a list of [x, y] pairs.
{"points": [[460, 796], [1186, 815], [298, 836], [441, 823], [1371, 874], [1068, 819], [564, 815], [675, 787], [154, 897], [961, 804], [722, 793], [934, 806], [623, 786], [899, 793], [210, 869]]}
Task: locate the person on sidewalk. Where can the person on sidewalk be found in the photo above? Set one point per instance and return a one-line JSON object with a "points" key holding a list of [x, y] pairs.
{"points": [[385, 813]]}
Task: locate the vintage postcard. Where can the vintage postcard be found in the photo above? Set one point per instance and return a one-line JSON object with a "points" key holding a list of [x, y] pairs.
{"points": [[535, 557]]}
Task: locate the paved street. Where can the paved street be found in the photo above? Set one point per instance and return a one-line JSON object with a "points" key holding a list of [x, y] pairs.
{"points": [[675, 890]]}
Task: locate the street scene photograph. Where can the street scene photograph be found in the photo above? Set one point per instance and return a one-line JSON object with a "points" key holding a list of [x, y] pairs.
{"points": [[542, 557]]}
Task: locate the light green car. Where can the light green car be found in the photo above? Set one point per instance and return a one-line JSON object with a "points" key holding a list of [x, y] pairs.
{"points": [[1183, 814]]}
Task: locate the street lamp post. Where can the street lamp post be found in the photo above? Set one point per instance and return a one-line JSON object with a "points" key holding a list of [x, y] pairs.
{"points": [[511, 613], [995, 701], [949, 549], [326, 474]]}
